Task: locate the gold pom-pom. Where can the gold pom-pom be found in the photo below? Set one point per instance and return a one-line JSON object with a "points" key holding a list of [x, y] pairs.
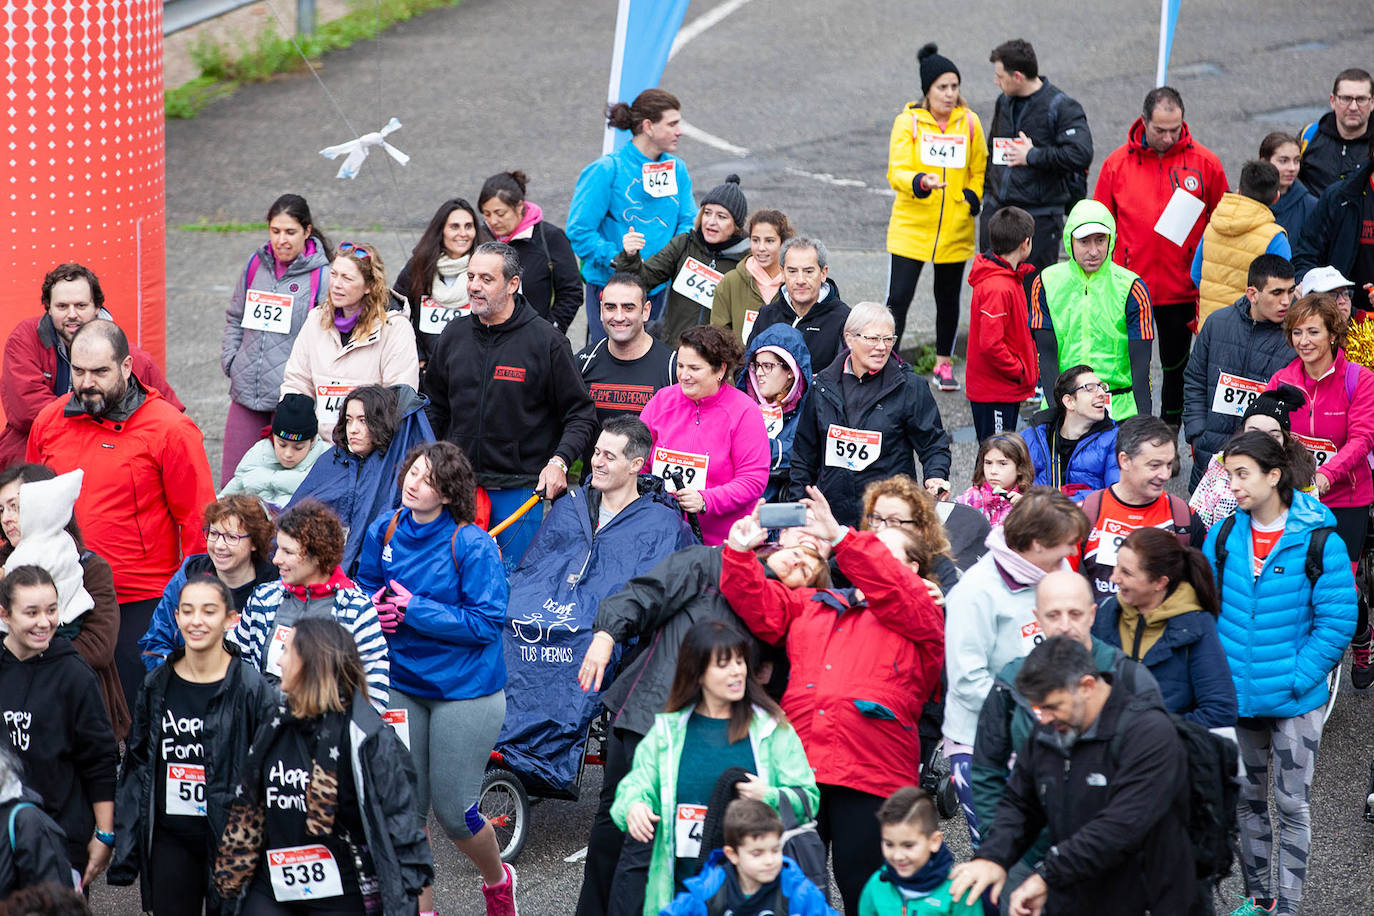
{"points": [[1359, 346]]}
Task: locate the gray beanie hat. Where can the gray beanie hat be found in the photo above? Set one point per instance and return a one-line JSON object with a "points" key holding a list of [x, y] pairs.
{"points": [[730, 197]]}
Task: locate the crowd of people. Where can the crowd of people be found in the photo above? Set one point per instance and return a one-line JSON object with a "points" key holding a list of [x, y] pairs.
{"points": [[726, 530]]}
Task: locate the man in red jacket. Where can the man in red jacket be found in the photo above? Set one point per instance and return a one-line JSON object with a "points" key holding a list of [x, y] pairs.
{"points": [[1157, 164], [36, 365], [1002, 368], [147, 478]]}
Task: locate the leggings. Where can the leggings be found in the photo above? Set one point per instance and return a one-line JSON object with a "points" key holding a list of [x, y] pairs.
{"points": [[178, 872], [260, 902], [1171, 325], [242, 429], [848, 824], [450, 744], [1291, 745], [901, 287]]}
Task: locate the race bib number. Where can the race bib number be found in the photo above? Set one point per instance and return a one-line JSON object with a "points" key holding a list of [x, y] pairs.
{"points": [[1234, 394], [332, 396], [303, 873], [1031, 636], [697, 282], [270, 312], [434, 317], [185, 790], [772, 419], [399, 720], [276, 645], [690, 465], [853, 449], [750, 316], [660, 178], [1321, 449], [1110, 537], [1000, 147], [944, 151], [687, 827]]}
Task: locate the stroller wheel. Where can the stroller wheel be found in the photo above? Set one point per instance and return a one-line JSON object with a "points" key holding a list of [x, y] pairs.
{"points": [[506, 805], [946, 799]]}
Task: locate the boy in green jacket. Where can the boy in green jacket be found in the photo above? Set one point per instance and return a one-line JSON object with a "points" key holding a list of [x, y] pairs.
{"points": [[915, 880]]}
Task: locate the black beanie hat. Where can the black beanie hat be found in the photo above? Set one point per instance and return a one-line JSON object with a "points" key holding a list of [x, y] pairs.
{"points": [[730, 197], [1277, 404], [295, 419], [933, 66]]}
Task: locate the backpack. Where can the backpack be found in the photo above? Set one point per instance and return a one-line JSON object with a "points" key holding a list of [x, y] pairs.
{"points": [[315, 276], [1181, 515], [1213, 793], [1076, 183], [1316, 545]]}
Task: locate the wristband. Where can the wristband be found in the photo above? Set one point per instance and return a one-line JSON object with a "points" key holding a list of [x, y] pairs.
{"points": [[563, 465], [105, 837]]}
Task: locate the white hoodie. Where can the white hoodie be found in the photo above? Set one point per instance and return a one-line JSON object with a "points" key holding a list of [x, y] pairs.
{"points": [[45, 508]]}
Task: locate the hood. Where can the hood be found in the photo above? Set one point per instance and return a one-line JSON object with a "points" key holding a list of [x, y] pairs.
{"points": [[58, 649], [1089, 211], [787, 343], [988, 265], [1327, 125], [408, 401], [1137, 143], [532, 216], [45, 506], [1307, 513], [1182, 600], [1236, 215], [1294, 195]]}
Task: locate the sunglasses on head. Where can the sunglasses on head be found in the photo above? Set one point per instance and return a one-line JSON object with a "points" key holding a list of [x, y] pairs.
{"points": [[357, 251]]}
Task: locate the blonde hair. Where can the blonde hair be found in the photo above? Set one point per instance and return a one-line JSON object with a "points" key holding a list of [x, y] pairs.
{"points": [[376, 294]]}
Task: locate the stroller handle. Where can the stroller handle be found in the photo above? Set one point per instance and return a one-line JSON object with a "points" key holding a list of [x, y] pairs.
{"points": [[515, 516]]}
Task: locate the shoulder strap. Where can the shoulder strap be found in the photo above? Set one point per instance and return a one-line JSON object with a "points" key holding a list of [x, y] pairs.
{"points": [[1352, 378], [1182, 519], [1222, 536], [1316, 545], [316, 276], [1306, 136], [391, 528], [14, 813], [453, 547], [1092, 507], [251, 272]]}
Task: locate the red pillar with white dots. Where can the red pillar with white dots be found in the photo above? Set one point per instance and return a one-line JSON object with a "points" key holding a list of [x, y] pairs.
{"points": [[82, 146]]}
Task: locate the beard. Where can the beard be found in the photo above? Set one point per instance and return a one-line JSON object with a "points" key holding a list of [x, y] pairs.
{"points": [[97, 403]]}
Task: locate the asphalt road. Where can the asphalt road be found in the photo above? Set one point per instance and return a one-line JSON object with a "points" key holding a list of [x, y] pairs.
{"points": [[808, 88]]}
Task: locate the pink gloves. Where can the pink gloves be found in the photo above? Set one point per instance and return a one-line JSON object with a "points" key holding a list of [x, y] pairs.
{"points": [[391, 610]]}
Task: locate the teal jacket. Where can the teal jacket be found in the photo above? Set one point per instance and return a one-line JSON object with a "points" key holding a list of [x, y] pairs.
{"points": [[778, 758], [883, 899]]}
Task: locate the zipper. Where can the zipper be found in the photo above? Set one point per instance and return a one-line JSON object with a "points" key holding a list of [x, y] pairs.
{"points": [[488, 368]]}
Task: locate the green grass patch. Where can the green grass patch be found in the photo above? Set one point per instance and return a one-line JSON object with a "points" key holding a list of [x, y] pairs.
{"points": [[204, 225], [223, 68], [922, 359]]}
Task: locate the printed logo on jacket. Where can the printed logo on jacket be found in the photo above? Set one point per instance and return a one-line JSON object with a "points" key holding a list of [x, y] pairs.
{"points": [[537, 627], [508, 374]]}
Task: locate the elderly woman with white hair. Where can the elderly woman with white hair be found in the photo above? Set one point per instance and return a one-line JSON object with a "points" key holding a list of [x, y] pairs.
{"points": [[867, 413]]}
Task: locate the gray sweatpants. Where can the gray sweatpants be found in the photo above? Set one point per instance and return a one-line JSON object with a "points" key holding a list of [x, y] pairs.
{"points": [[450, 744], [1289, 746]]}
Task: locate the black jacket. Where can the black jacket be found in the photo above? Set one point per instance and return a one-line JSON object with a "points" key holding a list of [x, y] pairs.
{"points": [[902, 409], [549, 278], [1231, 340], [1117, 818], [1331, 234], [659, 608], [1327, 157], [510, 396], [1056, 167], [39, 852], [57, 726], [822, 328], [242, 703]]}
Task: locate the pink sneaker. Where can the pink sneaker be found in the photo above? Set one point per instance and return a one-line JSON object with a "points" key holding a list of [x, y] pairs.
{"points": [[944, 377], [501, 898]]}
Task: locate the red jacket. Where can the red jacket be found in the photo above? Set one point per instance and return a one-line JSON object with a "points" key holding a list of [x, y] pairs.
{"points": [[1001, 355], [1135, 184], [147, 483], [29, 376], [859, 674]]}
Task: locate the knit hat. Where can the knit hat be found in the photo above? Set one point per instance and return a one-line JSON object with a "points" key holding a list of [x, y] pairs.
{"points": [[933, 66], [295, 419], [1277, 404], [730, 197]]}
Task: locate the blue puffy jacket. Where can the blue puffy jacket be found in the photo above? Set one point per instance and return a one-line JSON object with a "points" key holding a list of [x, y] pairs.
{"points": [[360, 490], [780, 442], [448, 647], [1282, 635], [1092, 466], [704, 894], [569, 568], [163, 634]]}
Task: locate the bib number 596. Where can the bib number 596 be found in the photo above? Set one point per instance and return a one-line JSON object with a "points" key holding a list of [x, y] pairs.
{"points": [[851, 450]]}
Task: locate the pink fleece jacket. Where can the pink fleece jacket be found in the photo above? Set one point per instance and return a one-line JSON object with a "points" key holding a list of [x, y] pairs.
{"points": [[1348, 422], [727, 428]]}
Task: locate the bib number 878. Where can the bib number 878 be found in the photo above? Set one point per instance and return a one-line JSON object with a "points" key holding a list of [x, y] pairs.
{"points": [[846, 449], [302, 874], [1238, 396]]}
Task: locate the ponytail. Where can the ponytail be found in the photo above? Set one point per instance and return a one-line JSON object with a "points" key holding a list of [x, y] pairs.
{"points": [[648, 105], [1163, 557]]}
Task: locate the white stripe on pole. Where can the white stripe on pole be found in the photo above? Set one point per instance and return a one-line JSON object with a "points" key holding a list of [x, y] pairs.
{"points": [[622, 24], [1162, 68]]}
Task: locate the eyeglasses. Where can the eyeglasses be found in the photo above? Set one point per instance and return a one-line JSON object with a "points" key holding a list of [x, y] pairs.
{"points": [[764, 368], [1346, 101], [874, 341], [356, 250], [876, 521], [1090, 387], [230, 540], [1344, 293]]}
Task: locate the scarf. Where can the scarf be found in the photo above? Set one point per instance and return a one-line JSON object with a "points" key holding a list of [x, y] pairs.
{"points": [[525, 228], [344, 325], [449, 295], [930, 876], [337, 580], [1182, 600], [1014, 566], [768, 287]]}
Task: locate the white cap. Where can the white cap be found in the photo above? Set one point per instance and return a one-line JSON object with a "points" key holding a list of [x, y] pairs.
{"points": [[1323, 280], [1088, 229]]}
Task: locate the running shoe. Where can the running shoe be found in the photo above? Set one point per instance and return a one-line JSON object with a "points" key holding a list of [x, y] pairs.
{"points": [[1252, 907], [944, 377], [1361, 672], [501, 898]]}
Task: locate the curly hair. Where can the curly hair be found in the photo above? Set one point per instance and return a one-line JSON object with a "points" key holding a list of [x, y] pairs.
{"points": [[379, 413], [376, 293], [922, 506], [1323, 307], [318, 530], [717, 346], [450, 474], [68, 272], [251, 517]]}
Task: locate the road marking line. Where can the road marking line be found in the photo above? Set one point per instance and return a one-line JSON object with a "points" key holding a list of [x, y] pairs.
{"points": [[577, 856], [696, 133], [703, 22]]}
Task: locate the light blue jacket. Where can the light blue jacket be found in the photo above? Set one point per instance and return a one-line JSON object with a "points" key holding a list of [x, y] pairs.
{"points": [[260, 474], [609, 200], [1281, 635]]}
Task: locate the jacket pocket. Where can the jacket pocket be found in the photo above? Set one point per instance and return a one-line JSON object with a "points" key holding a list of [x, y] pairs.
{"points": [[871, 710]]}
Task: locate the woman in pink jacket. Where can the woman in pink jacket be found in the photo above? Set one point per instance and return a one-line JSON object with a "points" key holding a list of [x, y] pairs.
{"points": [[1337, 426], [710, 433]]}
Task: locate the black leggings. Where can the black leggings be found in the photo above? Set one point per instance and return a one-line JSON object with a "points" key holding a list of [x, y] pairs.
{"points": [[134, 617], [1352, 523], [901, 288], [260, 902], [605, 842], [848, 824], [1171, 325], [179, 873]]}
